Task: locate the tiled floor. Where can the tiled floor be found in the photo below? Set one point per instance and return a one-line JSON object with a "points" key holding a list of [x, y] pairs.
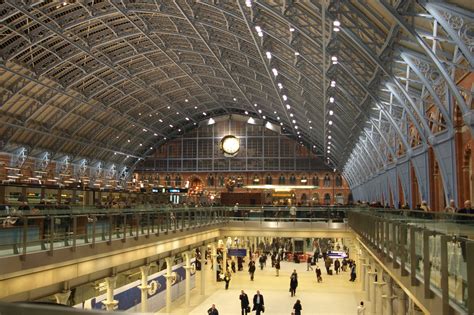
{"points": [[335, 295]]}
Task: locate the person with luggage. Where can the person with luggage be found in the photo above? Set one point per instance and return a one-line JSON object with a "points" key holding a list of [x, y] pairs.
{"points": [[244, 303]]}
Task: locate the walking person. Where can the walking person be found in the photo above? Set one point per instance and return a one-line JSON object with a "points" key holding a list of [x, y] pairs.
{"points": [[213, 310], [353, 272], [318, 274], [258, 303], [337, 266], [227, 277], [251, 269], [308, 263], [277, 267], [244, 303], [261, 260], [293, 283], [297, 308], [361, 308], [232, 266]]}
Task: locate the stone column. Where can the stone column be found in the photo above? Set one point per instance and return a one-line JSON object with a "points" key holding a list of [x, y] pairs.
{"points": [[372, 291], [224, 257], [379, 285], [144, 288], [214, 261], [389, 296], [187, 268], [203, 270], [110, 303], [401, 301], [363, 273], [62, 297], [169, 283]]}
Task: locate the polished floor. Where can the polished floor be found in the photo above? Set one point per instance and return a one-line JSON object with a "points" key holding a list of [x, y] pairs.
{"points": [[335, 295]]}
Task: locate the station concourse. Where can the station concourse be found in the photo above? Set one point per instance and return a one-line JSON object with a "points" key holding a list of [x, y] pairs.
{"points": [[149, 148]]}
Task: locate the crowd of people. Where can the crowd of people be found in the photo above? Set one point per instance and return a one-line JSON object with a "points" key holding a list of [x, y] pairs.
{"points": [[277, 251]]}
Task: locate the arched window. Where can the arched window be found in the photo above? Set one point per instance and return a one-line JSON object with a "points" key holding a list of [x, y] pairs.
{"points": [[315, 180], [315, 199], [327, 199]]}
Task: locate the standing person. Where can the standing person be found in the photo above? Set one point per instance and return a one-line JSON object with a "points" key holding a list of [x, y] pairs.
{"points": [[213, 310], [277, 267], [227, 277], [337, 266], [297, 307], [261, 260], [451, 208], [293, 212], [308, 263], [232, 266], [328, 263], [258, 303], [293, 283], [318, 274], [353, 272], [251, 269], [244, 302]]}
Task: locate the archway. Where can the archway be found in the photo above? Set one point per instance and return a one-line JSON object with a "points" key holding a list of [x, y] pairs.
{"points": [[327, 199]]}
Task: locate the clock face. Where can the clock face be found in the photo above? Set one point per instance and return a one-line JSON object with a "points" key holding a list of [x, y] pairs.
{"points": [[230, 145]]}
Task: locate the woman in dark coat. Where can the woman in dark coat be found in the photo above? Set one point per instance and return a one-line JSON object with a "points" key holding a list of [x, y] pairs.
{"points": [[293, 283], [297, 307]]}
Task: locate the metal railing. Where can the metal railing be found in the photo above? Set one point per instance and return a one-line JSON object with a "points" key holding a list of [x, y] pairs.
{"points": [[434, 250]]}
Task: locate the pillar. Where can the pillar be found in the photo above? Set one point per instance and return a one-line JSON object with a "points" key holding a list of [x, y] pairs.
{"points": [[401, 301], [372, 291], [203, 270], [169, 283], [187, 281], [110, 303], [62, 297], [224, 257], [144, 288], [214, 261], [379, 285], [363, 272]]}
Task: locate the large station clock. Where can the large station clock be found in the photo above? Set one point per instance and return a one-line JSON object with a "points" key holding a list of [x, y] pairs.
{"points": [[230, 145]]}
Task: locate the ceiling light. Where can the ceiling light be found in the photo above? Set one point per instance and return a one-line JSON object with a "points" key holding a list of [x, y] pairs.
{"points": [[280, 86], [296, 127], [309, 121], [329, 142], [177, 113], [329, 147], [329, 151], [336, 23], [211, 121], [187, 118], [160, 120], [275, 71], [336, 29], [329, 137], [251, 121], [179, 130], [235, 100], [128, 140], [297, 53], [260, 111], [151, 148], [288, 106], [246, 112], [334, 58], [291, 115], [171, 126], [139, 114], [195, 107], [255, 104], [248, 3], [168, 107], [204, 113], [310, 127], [264, 117], [278, 117], [155, 134], [269, 55], [186, 100], [331, 99], [141, 144], [144, 130], [285, 97], [330, 122], [333, 83], [258, 29], [292, 29], [281, 124], [331, 113], [294, 121]]}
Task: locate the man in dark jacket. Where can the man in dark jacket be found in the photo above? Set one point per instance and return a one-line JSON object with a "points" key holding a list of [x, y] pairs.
{"points": [[258, 304], [251, 269], [213, 310], [244, 302]]}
